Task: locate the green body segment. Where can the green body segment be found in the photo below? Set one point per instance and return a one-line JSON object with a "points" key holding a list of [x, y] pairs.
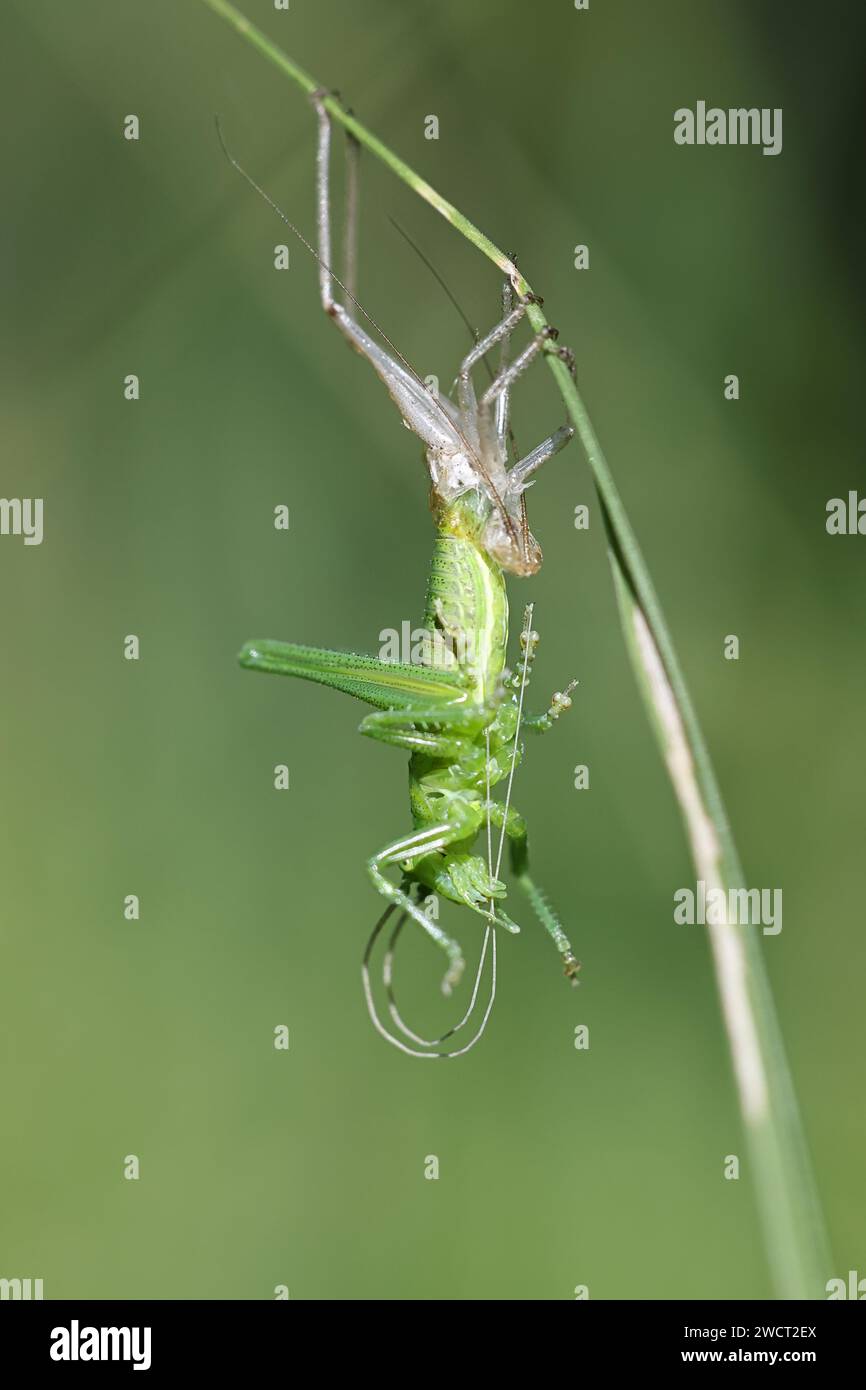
{"points": [[467, 607], [457, 715]]}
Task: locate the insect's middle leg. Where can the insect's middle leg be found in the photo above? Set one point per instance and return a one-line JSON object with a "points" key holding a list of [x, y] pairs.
{"points": [[440, 730]]}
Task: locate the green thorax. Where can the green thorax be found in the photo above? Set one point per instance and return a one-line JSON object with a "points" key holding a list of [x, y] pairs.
{"points": [[467, 607]]}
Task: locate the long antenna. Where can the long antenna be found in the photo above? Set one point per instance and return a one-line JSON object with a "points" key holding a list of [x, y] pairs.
{"points": [[425, 260], [388, 982]]}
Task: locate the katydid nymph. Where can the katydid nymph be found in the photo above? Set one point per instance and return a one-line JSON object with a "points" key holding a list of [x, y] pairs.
{"points": [[459, 712]]}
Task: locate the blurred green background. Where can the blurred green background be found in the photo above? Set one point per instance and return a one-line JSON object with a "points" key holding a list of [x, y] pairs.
{"points": [[155, 1038]]}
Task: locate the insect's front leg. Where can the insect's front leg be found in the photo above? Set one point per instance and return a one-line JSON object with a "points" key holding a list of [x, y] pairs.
{"points": [[500, 333], [530, 464], [560, 701], [515, 829]]}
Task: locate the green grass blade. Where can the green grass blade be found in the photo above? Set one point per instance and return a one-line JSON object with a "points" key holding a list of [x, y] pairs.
{"points": [[787, 1199]]}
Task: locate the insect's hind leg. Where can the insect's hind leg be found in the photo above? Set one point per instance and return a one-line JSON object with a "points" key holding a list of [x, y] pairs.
{"points": [[424, 413], [394, 1011], [350, 224], [323, 204], [390, 1037], [420, 842]]}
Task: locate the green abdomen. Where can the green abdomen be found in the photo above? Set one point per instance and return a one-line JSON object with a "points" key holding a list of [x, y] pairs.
{"points": [[467, 607]]}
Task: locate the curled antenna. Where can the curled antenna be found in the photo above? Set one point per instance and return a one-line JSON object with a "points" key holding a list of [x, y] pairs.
{"points": [[275, 207], [388, 982], [398, 1042]]}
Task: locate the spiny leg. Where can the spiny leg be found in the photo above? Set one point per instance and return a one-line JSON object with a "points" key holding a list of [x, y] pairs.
{"points": [[461, 877], [428, 840], [386, 684], [516, 831]]}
